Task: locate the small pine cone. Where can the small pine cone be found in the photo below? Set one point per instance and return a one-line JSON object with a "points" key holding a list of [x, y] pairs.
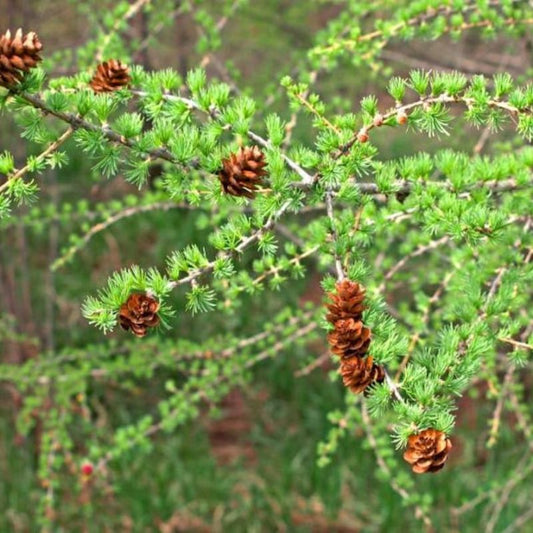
{"points": [[242, 172], [358, 374], [110, 76], [139, 313], [427, 451], [347, 302], [18, 55], [350, 338]]}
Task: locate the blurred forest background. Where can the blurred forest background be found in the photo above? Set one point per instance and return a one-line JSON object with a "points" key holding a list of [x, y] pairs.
{"points": [[254, 467]]}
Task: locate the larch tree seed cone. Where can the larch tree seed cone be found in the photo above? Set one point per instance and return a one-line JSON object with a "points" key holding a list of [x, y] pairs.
{"points": [[350, 338], [346, 302], [139, 313], [110, 76], [427, 451], [18, 55], [242, 172], [358, 374]]}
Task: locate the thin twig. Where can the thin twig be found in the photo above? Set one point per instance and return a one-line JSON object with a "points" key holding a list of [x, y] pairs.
{"points": [[302, 98], [132, 11], [496, 417], [101, 226], [43, 155], [503, 497], [405, 259], [430, 14], [425, 319], [174, 14], [318, 362], [424, 102], [255, 236], [276, 270], [518, 344], [179, 355], [392, 386], [520, 521], [338, 263]]}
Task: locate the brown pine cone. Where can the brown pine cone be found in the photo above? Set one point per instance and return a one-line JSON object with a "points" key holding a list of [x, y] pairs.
{"points": [[427, 451], [110, 76], [139, 313], [346, 302], [18, 55], [350, 338], [242, 171], [358, 373]]}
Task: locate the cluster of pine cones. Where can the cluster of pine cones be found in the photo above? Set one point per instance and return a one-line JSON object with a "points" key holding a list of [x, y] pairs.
{"points": [[19, 54], [350, 338], [241, 173], [426, 451]]}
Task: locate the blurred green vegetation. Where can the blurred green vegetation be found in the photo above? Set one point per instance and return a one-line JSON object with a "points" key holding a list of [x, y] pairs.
{"points": [[179, 485]]}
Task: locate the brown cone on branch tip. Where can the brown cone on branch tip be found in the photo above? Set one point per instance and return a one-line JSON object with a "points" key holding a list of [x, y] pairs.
{"points": [[139, 313], [346, 302], [358, 374], [242, 172], [18, 54], [427, 451], [110, 76]]}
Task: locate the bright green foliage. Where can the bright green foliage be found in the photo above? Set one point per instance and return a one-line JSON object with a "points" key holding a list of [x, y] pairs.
{"points": [[438, 231]]}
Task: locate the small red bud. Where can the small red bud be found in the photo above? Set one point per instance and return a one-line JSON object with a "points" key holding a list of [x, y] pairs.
{"points": [[401, 117], [378, 120], [362, 136], [87, 469]]}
